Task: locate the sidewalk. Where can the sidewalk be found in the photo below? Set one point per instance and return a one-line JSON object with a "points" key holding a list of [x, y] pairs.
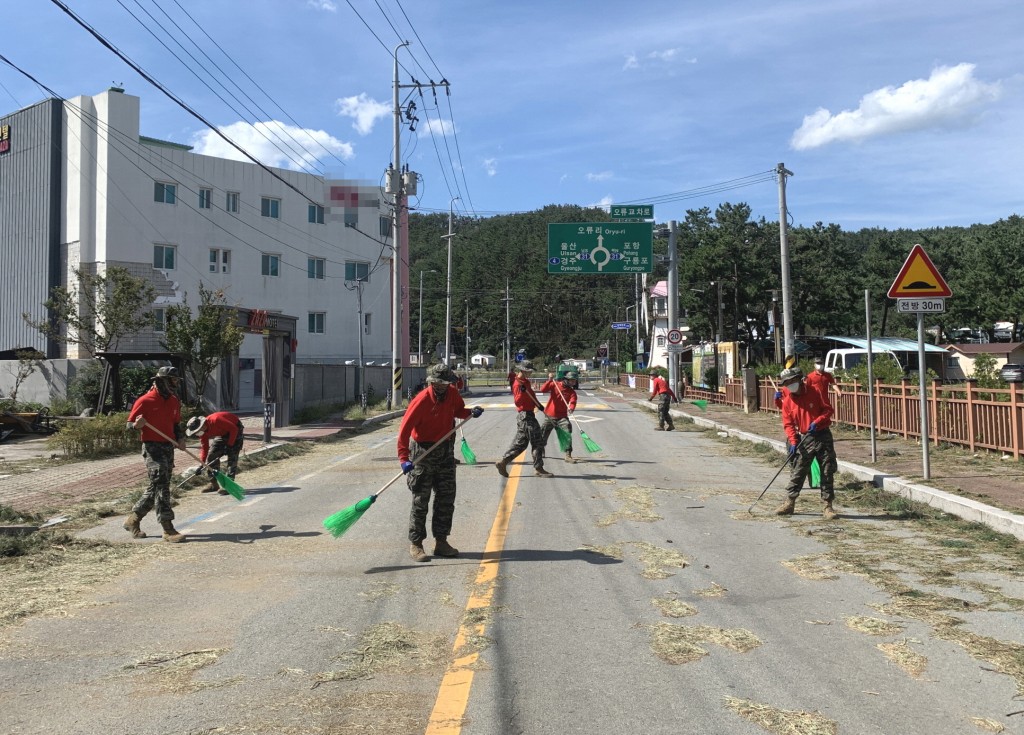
{"points": [[49, 488], [980, 487]]}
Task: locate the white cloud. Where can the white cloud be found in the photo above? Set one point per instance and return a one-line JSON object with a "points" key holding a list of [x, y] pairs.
{"points": [[322, 5], [273, 144], [366, 111], [602, 176], [605, 203], [666, 55], [950, 95], [433, 126], [631, 62], [491, 166]]}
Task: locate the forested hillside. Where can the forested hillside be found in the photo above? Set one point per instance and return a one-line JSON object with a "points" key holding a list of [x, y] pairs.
{"points": [[830, 269]]}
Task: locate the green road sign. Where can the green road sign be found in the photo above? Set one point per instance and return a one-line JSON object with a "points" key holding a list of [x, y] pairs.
{"points": [[632, 211], [600, 247]]}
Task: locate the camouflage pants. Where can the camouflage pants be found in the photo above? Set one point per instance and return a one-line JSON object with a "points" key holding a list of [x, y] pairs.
{"points": [[159, 458], [219, 447], [549, 426], [435, 473], [664, 417], [527, 434], [820, 445]]}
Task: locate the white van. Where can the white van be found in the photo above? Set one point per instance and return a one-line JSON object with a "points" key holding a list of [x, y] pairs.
{"points": [[844, 359]]}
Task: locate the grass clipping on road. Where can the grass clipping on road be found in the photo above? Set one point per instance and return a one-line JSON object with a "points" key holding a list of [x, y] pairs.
{"points": [[389, 647], [782, 721], [679, 644]]}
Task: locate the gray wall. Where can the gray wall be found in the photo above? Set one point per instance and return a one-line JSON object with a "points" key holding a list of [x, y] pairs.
{"points": [[327, 384], [50, 380], [30, 206]]}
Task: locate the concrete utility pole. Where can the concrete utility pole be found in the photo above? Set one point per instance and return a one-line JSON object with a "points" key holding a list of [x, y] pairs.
{"points": [[673, 301], [787, 304], [448, 297], [419, 341], [398, 191], [508, 334]]}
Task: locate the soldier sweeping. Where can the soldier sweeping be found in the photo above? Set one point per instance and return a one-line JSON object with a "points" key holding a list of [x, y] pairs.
{"points": [[806, 412], [664, 394], [561, 403], [221, 434], [160, 408], [527, 429], [429, 418]]}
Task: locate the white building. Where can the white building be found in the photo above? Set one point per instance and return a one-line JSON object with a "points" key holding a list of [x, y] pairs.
{"points": [[482, 360], [81, 188]]}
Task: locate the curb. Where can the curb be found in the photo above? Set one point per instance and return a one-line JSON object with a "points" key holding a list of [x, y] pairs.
{"points": [[970, 510]]}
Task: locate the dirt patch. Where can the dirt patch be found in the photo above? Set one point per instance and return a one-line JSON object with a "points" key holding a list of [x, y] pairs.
{"points": [[782, 721]]}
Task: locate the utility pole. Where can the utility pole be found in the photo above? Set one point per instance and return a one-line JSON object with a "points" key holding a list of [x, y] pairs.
{"points": [[397, 188], [718, 335], [448, 297], [419, 342], [467, 334], [787, 303], [673, 302], [508, 334]]}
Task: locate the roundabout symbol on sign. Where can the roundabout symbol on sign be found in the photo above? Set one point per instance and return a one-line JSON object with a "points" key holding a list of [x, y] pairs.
{"points": [[675, 337]]}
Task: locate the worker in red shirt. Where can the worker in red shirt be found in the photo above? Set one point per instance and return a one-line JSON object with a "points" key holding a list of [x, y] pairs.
{"points": [[221, 434], [160, 409], [427, 420], [527, 429], [561, 403], [824, 383], [664, 395], [806, 417]]}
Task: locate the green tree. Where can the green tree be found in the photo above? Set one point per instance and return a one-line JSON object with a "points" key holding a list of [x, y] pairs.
{"points": [[97, 311], [985, 371], [206, 338]]}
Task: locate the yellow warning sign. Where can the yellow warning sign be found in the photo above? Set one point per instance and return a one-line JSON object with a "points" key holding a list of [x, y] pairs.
{"points": [[919, 277]]}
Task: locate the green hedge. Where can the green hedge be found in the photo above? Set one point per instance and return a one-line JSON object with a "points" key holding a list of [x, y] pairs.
{"points": [[96, 437]]}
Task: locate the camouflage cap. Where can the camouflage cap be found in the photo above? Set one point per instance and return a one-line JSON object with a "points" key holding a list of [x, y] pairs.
{"points": [[441, 373], [167, 371], [572, 375], [791, 375], [525, 366]]}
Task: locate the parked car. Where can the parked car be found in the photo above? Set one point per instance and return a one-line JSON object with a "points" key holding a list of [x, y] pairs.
{"points": [[1012, 372], [967, 335], [1003, 332]]}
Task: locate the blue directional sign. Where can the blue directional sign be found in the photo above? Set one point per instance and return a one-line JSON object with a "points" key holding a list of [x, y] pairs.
{"points": [[622, 325]]}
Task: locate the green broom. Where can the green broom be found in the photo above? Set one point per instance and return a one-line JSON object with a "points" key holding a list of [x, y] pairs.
{"points": [[701, 404], [815, 474], [467, 453], [338, 523], [591, 445], [228, 485], [564, 437]]}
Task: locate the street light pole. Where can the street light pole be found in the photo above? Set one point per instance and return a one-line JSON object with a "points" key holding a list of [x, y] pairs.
{"points": [[419, 345], [787, 307], [448, 290], [467, 334]]}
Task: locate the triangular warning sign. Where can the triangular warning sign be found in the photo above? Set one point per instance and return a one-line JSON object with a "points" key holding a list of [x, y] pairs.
{"points": [[918, 277]]}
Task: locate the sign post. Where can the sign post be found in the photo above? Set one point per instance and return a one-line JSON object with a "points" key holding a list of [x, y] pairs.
{"points": [[920, 289]]}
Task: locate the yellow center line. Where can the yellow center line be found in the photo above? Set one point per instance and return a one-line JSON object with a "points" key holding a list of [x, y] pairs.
{"points": [[453, 696]]}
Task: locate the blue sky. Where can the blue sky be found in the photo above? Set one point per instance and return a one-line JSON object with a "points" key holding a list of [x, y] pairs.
{"points": [[890, 113]]}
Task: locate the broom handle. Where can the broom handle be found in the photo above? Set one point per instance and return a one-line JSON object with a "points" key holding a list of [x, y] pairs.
{"points": [[172, 441], [559, 389], [419, 459]]}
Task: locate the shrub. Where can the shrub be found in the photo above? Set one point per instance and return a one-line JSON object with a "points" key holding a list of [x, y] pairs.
{"points": [[95, 437]]}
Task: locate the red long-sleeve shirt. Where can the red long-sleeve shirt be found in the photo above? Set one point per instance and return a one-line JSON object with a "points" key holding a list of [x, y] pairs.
{"points": [[822, 382], [163, 413], [428, 419], [801, 409], [221, 423], [658, 386], [561, 402], [523, 395]]}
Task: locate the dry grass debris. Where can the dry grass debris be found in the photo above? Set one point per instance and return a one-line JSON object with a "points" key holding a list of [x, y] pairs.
{"points": [[174, 670], [637, 505], [379, 590], [814, 567], [673, 608], [715, 590], [680, 644], [872, 626], [658, 561], [782, 721], [905, 657], [389, 647], [984, 723]]}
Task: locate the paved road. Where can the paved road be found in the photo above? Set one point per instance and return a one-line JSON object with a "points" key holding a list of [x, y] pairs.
{"points": [[631, 593]]}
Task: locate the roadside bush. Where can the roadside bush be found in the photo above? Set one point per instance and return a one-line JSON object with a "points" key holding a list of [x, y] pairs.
{"points": [[63, 407], [97, 436], [319, 412]]}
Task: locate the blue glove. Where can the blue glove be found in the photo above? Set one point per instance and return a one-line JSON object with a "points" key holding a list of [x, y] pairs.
{"points": [[792, 449], [407, 467], [778, 395], [812, 428], [477, 411]]}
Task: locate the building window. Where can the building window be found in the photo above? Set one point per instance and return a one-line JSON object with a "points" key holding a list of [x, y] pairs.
{"points": [[220, 260], [385, 226], [351, 218], [316, 322], [204, 198], [366, 323], [316, 214], [315, 267], [270, 208], [159, 320], [661, 340], [163, 192], [357, 271], [163, 257], [231, 203], [271, 265]]}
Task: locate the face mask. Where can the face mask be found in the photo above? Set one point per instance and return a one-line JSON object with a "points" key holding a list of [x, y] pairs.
{"points": [[440, 389], [795, 388]]}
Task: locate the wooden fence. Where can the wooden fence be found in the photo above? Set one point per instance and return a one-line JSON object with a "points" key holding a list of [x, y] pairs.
{"points": [[961, 414]]}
